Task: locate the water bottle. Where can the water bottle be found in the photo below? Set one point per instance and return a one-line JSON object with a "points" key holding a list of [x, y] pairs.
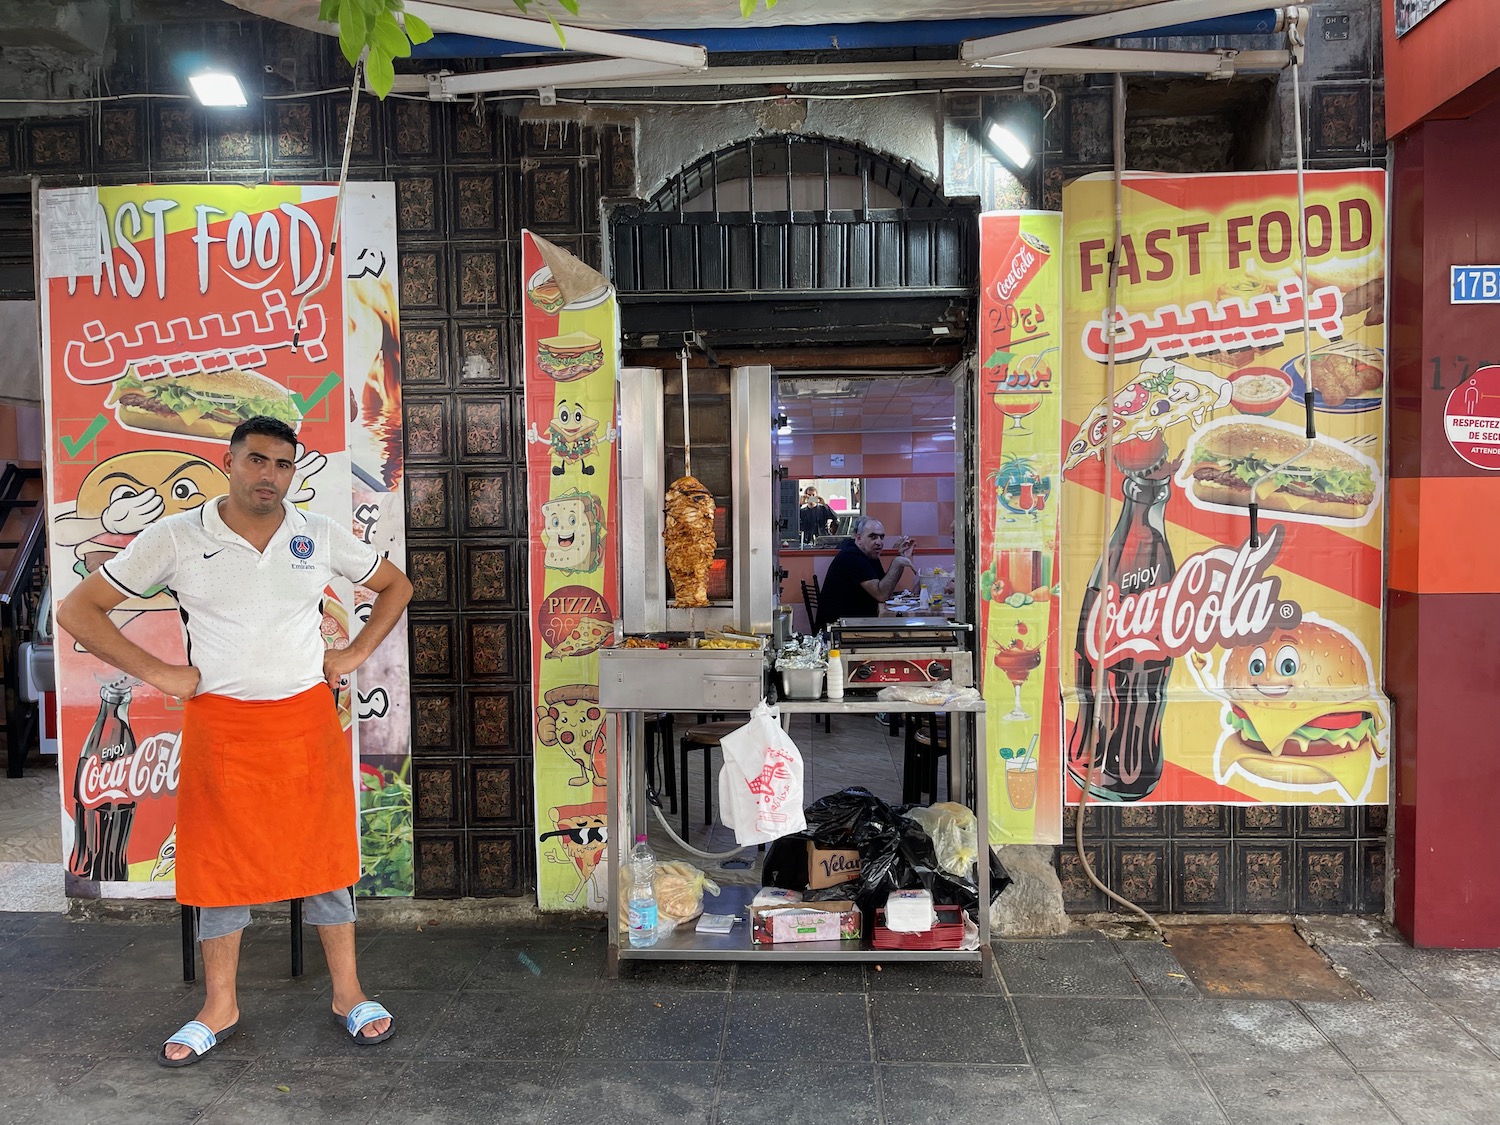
{"points": [[835, 683], [642, 895]]}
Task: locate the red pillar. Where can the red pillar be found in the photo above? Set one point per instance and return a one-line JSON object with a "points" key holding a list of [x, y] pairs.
{"points": [[1443, 622]]}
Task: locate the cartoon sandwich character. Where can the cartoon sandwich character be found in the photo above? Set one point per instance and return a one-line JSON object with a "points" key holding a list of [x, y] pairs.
{"points": [[573, 532]]}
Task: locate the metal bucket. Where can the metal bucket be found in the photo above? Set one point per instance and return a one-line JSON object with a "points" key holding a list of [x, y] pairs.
{"points": [[802, 683]]}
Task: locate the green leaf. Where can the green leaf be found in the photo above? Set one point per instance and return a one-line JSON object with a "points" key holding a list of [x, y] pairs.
{"points": [[328, 11], [747, 9], [389, 37], [416, 29], [354, 30], [562, 36], [522, 5], [381, 72], [1000, 356], [570, 6]]}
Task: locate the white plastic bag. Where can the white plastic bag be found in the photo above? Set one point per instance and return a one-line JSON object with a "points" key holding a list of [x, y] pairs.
{"points": [[760, 786]]}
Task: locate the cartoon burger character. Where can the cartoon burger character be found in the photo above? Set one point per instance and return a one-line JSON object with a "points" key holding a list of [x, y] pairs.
{"points": [[1301, 714], [124, 495], [573, 532], [572, 719], [574, 437], [583, 833]]}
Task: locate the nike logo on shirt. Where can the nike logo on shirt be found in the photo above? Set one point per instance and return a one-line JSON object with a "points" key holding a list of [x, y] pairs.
{"points": [[211, 554]]}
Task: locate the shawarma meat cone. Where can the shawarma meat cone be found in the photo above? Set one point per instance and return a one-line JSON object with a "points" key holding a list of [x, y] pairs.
{"points": [[689, 540]]}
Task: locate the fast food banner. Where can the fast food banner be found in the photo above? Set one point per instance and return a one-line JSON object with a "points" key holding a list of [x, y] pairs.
{"points": [[1019, 415], [1211, 664], [571, 346], [170, 313]]}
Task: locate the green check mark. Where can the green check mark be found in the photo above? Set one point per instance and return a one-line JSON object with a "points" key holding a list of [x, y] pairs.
{"points": [[303, 405], [75, 447]]}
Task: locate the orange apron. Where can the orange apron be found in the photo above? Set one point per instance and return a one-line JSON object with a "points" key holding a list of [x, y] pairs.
{"points": [[265, 800]]}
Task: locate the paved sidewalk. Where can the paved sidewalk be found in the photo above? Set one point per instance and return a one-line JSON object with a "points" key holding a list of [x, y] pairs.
{"points": [[518, 1024]]}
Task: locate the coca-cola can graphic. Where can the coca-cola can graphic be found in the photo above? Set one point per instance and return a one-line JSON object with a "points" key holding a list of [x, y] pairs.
{"points": [[1023, 259]]}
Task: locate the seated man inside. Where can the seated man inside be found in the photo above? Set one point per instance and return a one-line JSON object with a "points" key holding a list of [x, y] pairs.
{"points": [[856, 584]]}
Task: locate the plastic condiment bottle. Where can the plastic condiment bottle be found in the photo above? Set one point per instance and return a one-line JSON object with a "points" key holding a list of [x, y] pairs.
{"points": [[835, 674]]}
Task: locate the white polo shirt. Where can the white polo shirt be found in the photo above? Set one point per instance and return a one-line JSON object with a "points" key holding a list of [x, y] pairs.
{"points": [[251, 620]]}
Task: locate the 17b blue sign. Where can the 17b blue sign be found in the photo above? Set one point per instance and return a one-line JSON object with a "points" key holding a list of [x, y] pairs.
{"points": [[1475, 285]]}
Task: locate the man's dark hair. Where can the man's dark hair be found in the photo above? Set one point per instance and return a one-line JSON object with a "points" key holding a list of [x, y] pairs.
{"points": [[263, 426]]}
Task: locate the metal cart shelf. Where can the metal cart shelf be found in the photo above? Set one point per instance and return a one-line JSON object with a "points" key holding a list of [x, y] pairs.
{"points": [[968, 780]]}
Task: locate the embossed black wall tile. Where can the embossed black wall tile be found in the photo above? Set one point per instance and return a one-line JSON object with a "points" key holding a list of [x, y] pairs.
{"points": [[479, 203], [1262, 820], [416, 129], [1200, 820], [436, 723], [617, 160], [1086, 130], [1372, 861], [494, 502], [424, 279], [482, 280], [419, 203], [431, 568], [430, 503], [236, 138], [1325, 878], [1373, 820], [424, 356], [177, 136], [55, 147], [484, 429], [499, 721], [1136, 820], [1093, 822], [549, 196], [122, 141], [129, 64], [10, 148], [483, 354], [439, 860], [1080, 896], [1264, 875], [1139, 872], [434, 645], [477, 138], [437, 792], [496, 793], [1325, 820], [490, 575], [367, 148], [1339, 119], [492, 649], [296, 133], [1201, 876], [551, 138], [429, 431], [496, 864]]}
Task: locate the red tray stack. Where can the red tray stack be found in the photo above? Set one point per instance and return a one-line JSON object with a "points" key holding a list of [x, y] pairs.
{"points": [[948, 933]]}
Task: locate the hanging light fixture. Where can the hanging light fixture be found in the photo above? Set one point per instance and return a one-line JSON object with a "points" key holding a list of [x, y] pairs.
{"points": [[217, 88]]}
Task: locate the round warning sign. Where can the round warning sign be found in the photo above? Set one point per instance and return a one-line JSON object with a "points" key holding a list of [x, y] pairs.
{"points": [[1472, 419]]}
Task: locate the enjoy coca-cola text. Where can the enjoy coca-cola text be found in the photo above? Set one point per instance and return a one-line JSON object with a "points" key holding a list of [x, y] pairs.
{"points": [[1219, 598], [151, 770]]}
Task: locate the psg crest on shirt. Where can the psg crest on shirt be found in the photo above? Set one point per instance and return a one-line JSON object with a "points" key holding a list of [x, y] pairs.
{"points": [[302, 546]]}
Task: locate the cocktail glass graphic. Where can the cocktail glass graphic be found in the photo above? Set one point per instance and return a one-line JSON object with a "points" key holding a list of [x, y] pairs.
{"points": [[1018, 662]]}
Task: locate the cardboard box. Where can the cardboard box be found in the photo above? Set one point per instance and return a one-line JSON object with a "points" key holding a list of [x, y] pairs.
{"points": [[805, 921], [830, 867]]}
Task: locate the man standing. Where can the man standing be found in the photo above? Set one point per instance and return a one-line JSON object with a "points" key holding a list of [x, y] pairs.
{"points": [[265, 799], [815, 517], [856, 585]]}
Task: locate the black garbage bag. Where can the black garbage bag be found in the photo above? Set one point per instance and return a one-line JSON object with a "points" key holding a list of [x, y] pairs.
{"points": [[895, 853]]}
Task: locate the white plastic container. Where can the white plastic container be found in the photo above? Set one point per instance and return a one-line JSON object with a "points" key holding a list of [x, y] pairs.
{"points": [[835, 685]]}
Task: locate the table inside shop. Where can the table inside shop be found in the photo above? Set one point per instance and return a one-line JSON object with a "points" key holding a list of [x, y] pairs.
{"points": [[968, 781]]}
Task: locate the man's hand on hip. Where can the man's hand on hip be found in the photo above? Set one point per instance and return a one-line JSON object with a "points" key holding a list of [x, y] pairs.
{"points": [[337, 664], [180, 681]]}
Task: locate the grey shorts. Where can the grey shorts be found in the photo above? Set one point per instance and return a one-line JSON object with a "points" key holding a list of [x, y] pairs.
{"points": [[332, 908]]}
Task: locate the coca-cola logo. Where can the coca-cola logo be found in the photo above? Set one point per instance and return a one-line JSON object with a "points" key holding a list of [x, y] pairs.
{"points": [[149, 772], [1219, 598], [1019, 271]]}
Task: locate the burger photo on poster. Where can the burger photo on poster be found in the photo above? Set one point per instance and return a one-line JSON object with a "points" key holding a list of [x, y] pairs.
{"points": [[204, 405], [569, 357], [1301, 713], [1331, 481]]}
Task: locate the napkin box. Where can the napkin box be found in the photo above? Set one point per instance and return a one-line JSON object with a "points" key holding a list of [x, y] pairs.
{"points": [[805, 921]]}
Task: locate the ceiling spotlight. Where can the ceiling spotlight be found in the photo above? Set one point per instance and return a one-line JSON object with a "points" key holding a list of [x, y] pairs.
{"points": [[217, 88], [1012, 149]]}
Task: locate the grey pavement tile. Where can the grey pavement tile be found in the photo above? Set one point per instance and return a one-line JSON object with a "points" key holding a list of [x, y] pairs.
{"points": [[314, 1033], [670, 1025], [1479, 1015], [1399, 1035], [1098, 1032], [1156, 970], [631, 1093], [931, 976], [510, 1025], [13, 924], [441, 1092], [783, 1025], [1064, 968], [1433, 1098], [945, 1029], [145, 959], [794, 1091], [1088, 1095], [266, 961], [695, 976], [86, 1022], [1446, 973], [441, 960], [32, 1090], [266, 1017], [541, 959], [16, 998], [798, 976], [120, 1090], [1372, 972], [328, 1091], [1268, 1033], [1260, 1096], [926, 1094], [54, 960]]}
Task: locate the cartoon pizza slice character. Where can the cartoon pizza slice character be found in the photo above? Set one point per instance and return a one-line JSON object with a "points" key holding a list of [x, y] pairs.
{"points": [[582, 830], [1163, 395], [572, 720]]}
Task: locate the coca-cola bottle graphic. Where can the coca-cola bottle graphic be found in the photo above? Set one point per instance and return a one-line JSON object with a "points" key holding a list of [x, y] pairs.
{"points": [[1120, 731], [103, 806]]}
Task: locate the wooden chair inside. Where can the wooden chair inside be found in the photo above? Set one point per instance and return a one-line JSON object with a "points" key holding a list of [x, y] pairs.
{"points": [[927, 740]]}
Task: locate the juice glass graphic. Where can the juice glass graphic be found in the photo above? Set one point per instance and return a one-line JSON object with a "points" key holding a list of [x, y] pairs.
{"points": [[1018, 662], [1020, 782], [1016, 407]]}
